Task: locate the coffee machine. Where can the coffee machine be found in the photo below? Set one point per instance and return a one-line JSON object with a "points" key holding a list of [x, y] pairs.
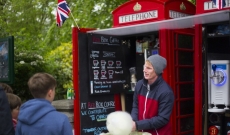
{"points": [[219, 98], [219, 85]]}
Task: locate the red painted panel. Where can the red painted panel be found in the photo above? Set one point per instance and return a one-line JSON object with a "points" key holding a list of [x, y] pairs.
{"points": [[75, 81], [163, 51], [198, 79], [117, 100], [75, 71]]}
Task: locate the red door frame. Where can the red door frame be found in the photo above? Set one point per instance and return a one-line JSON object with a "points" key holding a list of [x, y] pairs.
{"points": [[166, 50], [198, 80], [75, 52], [75, 80]]}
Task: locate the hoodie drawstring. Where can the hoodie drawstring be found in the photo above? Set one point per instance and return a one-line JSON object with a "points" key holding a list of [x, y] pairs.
{"points": [[148, 88]]}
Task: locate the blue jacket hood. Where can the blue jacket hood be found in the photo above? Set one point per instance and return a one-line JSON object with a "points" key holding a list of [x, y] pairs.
{"points": [[33, 110]]}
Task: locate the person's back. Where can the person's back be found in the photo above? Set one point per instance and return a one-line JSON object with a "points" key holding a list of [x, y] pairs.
{"points": [[6, 125], [38, 116]]}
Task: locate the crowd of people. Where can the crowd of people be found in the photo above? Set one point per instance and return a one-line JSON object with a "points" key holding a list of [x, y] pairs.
{"points": [[153, 101], [36, 116]]}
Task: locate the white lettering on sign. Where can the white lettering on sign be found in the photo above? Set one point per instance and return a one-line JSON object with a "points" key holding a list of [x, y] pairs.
{"points": [[227, 3], [175, 14], [138, 17], [208, 5]]}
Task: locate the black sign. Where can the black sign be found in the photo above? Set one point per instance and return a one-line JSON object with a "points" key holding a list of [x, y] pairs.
{"points": [[106, 65], [4, 60], [94, 112], [7, 60], [94, 109]]}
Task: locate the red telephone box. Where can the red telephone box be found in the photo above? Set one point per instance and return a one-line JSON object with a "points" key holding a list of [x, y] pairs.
{"points": [[141, 28], [213, 45], [177, 46]]}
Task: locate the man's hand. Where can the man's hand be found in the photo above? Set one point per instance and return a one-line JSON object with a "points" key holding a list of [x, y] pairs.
{"points": [[134, 126]]}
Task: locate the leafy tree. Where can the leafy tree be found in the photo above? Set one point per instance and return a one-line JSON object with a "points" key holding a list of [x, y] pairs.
{"points": [[193, 1], [95, 14], [28, 22], [26, 64], [59, 63]]}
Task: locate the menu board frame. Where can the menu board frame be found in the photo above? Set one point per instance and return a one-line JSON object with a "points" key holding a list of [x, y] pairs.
{"points": [[106, 64], [7, 59], [93, 109]]}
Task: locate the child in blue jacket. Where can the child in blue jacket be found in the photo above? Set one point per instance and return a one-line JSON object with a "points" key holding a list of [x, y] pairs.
{"points": [[38, 116]]}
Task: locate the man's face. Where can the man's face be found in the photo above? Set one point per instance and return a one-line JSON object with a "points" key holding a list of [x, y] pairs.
{"points": [[149, 72]]}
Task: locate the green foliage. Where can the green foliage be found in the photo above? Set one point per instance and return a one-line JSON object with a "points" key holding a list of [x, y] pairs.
{"points": [[27, 21], [193, 1], [93, 13], [59, 63], [26, 64]]}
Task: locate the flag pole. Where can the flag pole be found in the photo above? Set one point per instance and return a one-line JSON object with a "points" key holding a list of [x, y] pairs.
{"points": [[74, 20]]}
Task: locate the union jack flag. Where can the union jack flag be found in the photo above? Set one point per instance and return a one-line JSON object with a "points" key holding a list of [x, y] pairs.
{"points": [[63, 11], [219, 3]]}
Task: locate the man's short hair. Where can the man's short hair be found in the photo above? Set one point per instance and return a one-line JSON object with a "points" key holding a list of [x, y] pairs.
{"points": [[6, 88], [40, 83], [14, 101]]}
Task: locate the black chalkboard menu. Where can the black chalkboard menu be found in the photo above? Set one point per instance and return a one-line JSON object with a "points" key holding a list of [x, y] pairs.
{"points": [[94, 113], [106, 65], [94, 109]]}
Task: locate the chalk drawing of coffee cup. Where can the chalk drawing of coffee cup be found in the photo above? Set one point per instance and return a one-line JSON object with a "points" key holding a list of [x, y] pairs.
{"points": [[110, 74], [103, 63], [118, 63], [110, 63], [95, 63], [95, 72], [103, 73]]}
